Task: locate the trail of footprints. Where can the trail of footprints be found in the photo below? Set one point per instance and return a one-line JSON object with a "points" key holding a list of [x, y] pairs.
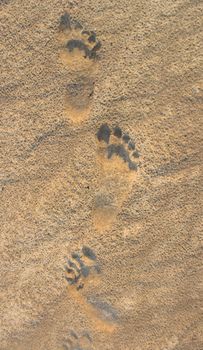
{"points": [[78, 53], [79, 266], [78, 341]]}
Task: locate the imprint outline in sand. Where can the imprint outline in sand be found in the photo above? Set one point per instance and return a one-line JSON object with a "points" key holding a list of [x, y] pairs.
{"points": [[75, 284], [79, 56], [77, 341], [118, 161], [80, 266]]}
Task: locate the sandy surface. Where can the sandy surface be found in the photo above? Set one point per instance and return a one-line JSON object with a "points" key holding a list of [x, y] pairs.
{"points": [[100, 209]]}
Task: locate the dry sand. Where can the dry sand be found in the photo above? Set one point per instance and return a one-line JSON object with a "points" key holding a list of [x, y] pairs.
{"points": [[100, 209]]}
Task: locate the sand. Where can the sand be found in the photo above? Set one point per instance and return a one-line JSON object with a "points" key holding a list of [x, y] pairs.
{"points": [[100, 180]]}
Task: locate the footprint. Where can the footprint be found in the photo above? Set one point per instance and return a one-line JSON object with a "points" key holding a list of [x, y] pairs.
{"points": [[79, 45], [80, 266], [105, 310], [79, 55], [118, 160], [78, 342]]}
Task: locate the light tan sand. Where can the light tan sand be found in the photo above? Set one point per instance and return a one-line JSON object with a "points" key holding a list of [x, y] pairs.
{"points": [[100, 247]]}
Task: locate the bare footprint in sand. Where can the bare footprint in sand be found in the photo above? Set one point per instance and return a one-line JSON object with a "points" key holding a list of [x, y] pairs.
{"points": [[80, 266], [82, 270], [78, 341], [118, 163], [79, 54]]}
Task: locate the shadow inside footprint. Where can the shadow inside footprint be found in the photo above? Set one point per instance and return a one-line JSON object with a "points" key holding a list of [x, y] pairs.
{"points": [[104, 133], [79, 267], [78, 342], [105, 309], [78, 44], [120, 146], [83, 40], [65, 22]]}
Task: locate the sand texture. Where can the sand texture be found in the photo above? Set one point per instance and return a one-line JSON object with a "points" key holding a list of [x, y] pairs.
{"points": [[100, 175]]}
